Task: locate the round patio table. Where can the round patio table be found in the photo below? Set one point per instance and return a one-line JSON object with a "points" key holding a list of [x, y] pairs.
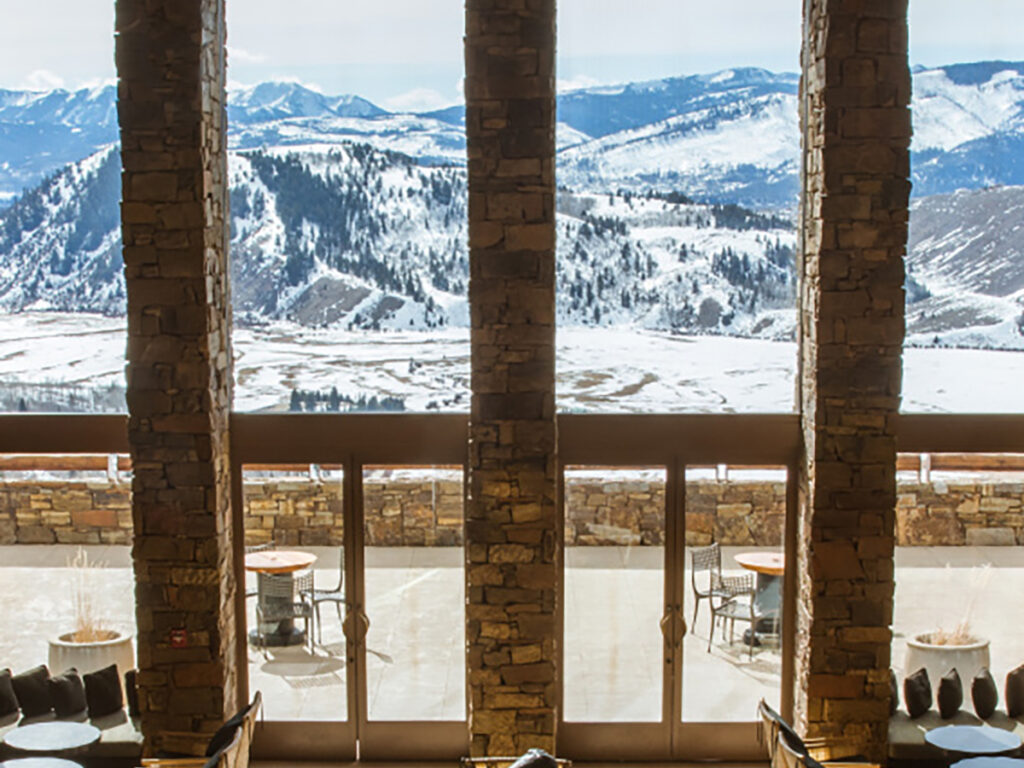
{"points": [[278, 562], [972, 739], [53, 736]]}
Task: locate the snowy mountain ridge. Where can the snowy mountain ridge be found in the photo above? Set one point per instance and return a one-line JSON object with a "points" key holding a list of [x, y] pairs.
{"points": [[728, 136]]}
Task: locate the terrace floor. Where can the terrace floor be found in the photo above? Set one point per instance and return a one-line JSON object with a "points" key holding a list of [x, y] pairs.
{"points": [[415, 667]]}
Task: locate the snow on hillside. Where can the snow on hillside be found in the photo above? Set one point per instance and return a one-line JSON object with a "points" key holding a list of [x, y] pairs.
{"points": [[78, 354], [950, 110], [721, 153]]}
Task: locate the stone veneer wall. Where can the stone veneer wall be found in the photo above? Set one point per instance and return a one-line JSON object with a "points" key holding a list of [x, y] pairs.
{"points": [[414, 513], [855, 122], [512, 510], [171, 113]]}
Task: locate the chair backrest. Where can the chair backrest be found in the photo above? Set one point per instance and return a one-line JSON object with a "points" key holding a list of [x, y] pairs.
{"points": [[768, 731], [707, 559], [236, 753], [259, 547], [249, 724], [303, 581], [341, 570], [786, 755]]}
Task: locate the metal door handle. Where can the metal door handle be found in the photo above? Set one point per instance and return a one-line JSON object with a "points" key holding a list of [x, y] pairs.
{"points": [[356, 625], [673, 626]]}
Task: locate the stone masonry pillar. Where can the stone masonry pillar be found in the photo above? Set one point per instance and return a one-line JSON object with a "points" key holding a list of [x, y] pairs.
{"points": [[170, 61], [511, 510], [856, 132]]}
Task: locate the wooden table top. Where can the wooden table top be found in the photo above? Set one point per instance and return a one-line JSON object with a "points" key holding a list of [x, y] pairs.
{"points": [[278, 561], [771, 563], [53, 736], [972, 739]]}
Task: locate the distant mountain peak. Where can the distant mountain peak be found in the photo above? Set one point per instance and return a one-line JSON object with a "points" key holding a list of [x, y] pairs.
{"points": [[279, 99]]}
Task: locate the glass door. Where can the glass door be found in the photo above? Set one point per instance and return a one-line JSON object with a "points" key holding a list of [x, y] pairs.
{"points": [[410, 595], [375, 503], [296, 544], [732, 563], [620, 622]]}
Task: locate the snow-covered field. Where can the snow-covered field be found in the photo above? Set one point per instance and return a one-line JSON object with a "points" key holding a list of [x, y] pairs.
{"points": [[600, 370]]}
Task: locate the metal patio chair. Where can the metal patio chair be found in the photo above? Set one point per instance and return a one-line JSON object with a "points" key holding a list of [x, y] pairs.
{"points": [[334, 595], [737, 593], [706, 579]]}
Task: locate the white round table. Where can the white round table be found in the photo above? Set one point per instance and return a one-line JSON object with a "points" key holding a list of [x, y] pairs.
{"points": [[40, 762], [972, 739], [989, 762], [53, 736]]}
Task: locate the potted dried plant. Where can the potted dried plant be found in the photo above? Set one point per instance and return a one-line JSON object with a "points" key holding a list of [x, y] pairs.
{"points": [[90, 645], [962, 648]]}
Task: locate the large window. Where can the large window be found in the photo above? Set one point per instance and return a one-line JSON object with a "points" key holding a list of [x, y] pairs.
{"points": [[349, 250], [62, 299], [965, 256], [958, 564], [678, 164]]}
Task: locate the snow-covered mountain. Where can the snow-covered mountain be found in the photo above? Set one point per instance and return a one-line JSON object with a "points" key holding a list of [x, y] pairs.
{"points": [[345, 215], [41, 132], [359, 238], [727, 137], [966, 270]]}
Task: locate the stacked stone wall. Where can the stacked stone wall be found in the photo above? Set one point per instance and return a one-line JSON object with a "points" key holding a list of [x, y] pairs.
{"points": [[429, 513], [855, 123]]}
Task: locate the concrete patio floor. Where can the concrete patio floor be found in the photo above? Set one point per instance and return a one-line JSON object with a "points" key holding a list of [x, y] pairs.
{"points": [[415, 667]]}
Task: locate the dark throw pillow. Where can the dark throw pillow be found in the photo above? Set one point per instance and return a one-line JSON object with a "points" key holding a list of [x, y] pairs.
{"points": [[917, 693], [103, 691], [894, 694], [67, 693], [8, 701], [131, 692], [984, 694], [535, 758], [32, 691], [950, 694], [1015, 692]]}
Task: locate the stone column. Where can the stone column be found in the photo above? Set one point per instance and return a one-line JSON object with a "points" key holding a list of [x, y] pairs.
{"points": [[511, 510], [856, 133], [170, 61]]}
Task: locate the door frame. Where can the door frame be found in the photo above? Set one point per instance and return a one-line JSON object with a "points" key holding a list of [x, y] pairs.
{"points": [[673, 442], [352, 440]]}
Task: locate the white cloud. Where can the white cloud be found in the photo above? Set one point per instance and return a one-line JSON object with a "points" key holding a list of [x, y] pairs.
{"points": [[242, 56], [43, 80], [416, 100], [575, 83]]}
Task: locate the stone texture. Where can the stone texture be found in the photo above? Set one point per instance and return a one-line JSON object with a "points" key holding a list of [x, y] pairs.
{"points": [[170, 62], [854, 97], [511, 511], [412, 513]]}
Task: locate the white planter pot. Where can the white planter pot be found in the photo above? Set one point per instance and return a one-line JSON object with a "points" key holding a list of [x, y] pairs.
{"points": [[939, 659], [88, 657]]}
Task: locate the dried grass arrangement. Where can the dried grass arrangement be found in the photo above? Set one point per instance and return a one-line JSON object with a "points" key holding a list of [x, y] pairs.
{"points": [[88, 624], [961, 632]]}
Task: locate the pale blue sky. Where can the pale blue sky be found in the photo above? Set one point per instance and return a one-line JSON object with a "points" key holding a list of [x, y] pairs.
{"points": [[339, 45]]}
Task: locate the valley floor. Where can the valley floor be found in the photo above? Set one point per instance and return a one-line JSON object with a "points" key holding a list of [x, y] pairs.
{"points": [[55, 361]]}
